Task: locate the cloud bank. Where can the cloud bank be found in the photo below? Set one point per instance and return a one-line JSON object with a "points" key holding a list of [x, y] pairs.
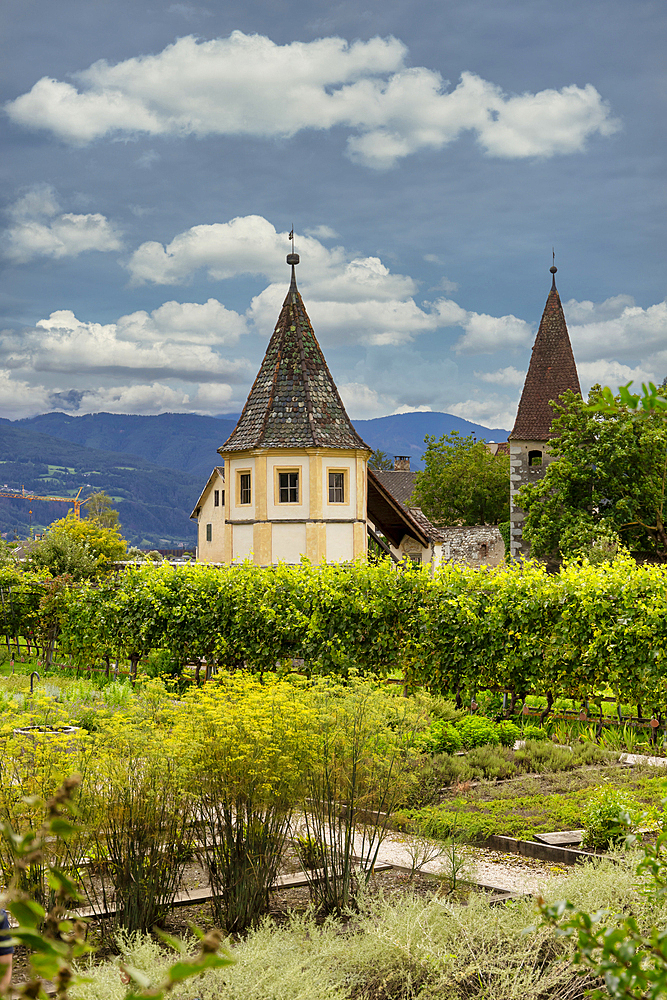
{"points": [[39, 228], [246, 85]]}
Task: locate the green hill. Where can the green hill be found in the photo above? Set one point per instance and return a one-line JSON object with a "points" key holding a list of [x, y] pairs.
{"points": [[153, 503]]}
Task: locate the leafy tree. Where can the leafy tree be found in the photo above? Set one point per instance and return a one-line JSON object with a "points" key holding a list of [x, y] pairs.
{"points": [[82, 548], [100, 510], [462, 482], [607, 484], [380, 461], [60, 553]]}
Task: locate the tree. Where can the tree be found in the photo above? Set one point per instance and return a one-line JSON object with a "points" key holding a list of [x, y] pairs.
{"points": [[607, 483], [463, 482], [83, 548], [100, 510], [380, 461]]}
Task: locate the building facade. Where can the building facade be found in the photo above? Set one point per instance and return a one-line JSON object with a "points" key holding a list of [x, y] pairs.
{"points": [[293, 470], [552, 371]]}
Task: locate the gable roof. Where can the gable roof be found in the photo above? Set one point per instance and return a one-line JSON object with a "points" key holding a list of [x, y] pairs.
{"points": [[218, 470], [552, 371], [388, 496], [293, 402]]}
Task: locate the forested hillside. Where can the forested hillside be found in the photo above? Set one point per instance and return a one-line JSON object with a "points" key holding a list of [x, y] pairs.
{"points": [[154, 503]]}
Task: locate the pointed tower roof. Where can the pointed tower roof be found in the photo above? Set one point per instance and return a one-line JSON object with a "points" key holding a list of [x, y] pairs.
{"points": [[293, 402], [552, 371]]}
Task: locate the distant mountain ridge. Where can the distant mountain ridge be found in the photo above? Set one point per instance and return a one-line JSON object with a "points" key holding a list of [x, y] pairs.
{"points": [[188, 442], [155, 467]]}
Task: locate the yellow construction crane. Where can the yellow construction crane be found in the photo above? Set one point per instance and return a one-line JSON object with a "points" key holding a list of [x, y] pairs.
{"points": [[24, 495]]}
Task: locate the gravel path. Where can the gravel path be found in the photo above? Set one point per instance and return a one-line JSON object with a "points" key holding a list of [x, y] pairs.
{"points": [[505, 871]]}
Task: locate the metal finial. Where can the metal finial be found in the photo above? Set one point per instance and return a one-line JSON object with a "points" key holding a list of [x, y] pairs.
{"points": [[553, 268], [292, 258]]}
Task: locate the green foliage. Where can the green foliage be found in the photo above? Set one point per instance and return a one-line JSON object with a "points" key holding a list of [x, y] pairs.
{"points": [[462, 482], [476, 731], [508, 733], [609, 818], [626, 950], [606, 486], [99, 509], [380, 461], [442, 737], [61, 554], [534, 733]]}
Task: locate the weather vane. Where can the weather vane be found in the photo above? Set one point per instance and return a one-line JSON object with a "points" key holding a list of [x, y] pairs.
{"points": [[291, 236]]}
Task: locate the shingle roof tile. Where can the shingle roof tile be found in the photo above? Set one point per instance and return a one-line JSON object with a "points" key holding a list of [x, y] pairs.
{"points": [[293, 402], [551, 372]]}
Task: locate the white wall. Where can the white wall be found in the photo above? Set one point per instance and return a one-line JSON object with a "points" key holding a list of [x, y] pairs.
{"points": [[288, 542], [340, 542], [242, 537], [246, 511]]}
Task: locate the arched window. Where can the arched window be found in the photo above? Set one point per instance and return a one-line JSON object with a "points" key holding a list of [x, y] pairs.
{"points": [[534, 457]]}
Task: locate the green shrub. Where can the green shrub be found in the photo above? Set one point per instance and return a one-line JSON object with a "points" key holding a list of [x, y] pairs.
{"points": [[492, 763], [476, 731], [509, 733], [609, 817], [442, 738], [534, 733]]}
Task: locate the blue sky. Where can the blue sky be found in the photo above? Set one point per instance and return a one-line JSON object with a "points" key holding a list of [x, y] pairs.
{"points": [[429, 156]]}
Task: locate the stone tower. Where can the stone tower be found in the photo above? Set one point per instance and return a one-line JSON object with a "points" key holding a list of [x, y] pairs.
{"points": [[552, 371], [294, 466]]}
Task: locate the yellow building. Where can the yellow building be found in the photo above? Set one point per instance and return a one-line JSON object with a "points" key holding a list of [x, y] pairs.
{"points": [[293, 478]]}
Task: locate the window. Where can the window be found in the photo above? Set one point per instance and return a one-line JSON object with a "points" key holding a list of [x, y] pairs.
{"points": [[288, 487], [483, 550], [534, 458], [222, 498], [216, 498], [245, 491], [415, 558], [209, 532], [336, 487]]}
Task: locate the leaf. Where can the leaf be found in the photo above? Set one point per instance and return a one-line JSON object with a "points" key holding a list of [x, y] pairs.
{"points": [[27, 912]]}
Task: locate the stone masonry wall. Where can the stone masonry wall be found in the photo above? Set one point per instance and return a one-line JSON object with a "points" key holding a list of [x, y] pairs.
{"points": [[478, 545]]}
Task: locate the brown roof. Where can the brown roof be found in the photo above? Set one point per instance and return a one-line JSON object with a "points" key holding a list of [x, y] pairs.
{"points": [[551, 372], [294, 402], [398, 518]]}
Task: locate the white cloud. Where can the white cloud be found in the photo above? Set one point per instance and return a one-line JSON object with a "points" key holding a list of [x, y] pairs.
{"points": [[148, 398], [364, 403], [413, 409], [166, 344], [491, 411], [613, 374], [486, 334], [503, 376], [616, 328], [248, 85], [20, 399], [40, 229], [322, 233]]}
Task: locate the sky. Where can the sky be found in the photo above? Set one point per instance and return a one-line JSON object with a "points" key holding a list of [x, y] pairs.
{"points": [[428, 154]]}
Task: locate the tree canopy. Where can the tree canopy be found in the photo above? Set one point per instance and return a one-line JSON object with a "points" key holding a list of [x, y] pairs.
{"points": [[607, 484], [380, 461], [462, 482], [82, 548], [99, 509]]}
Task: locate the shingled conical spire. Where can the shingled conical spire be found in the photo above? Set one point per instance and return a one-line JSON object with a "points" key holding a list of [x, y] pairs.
{"points": [[294, 402], [552, 372]]}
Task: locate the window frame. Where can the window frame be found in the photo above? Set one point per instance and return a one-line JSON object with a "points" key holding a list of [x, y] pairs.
{"points": [[279, 470], [346, 490], [240, 502], [216, 498], [209, 532]]}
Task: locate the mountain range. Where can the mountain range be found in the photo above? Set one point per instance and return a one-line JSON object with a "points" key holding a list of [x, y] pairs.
{"points": [[154, 467]]}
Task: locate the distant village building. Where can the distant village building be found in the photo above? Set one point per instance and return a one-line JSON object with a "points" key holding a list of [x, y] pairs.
{"points": [[292, 481], [552, 371], [408, 533]]}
